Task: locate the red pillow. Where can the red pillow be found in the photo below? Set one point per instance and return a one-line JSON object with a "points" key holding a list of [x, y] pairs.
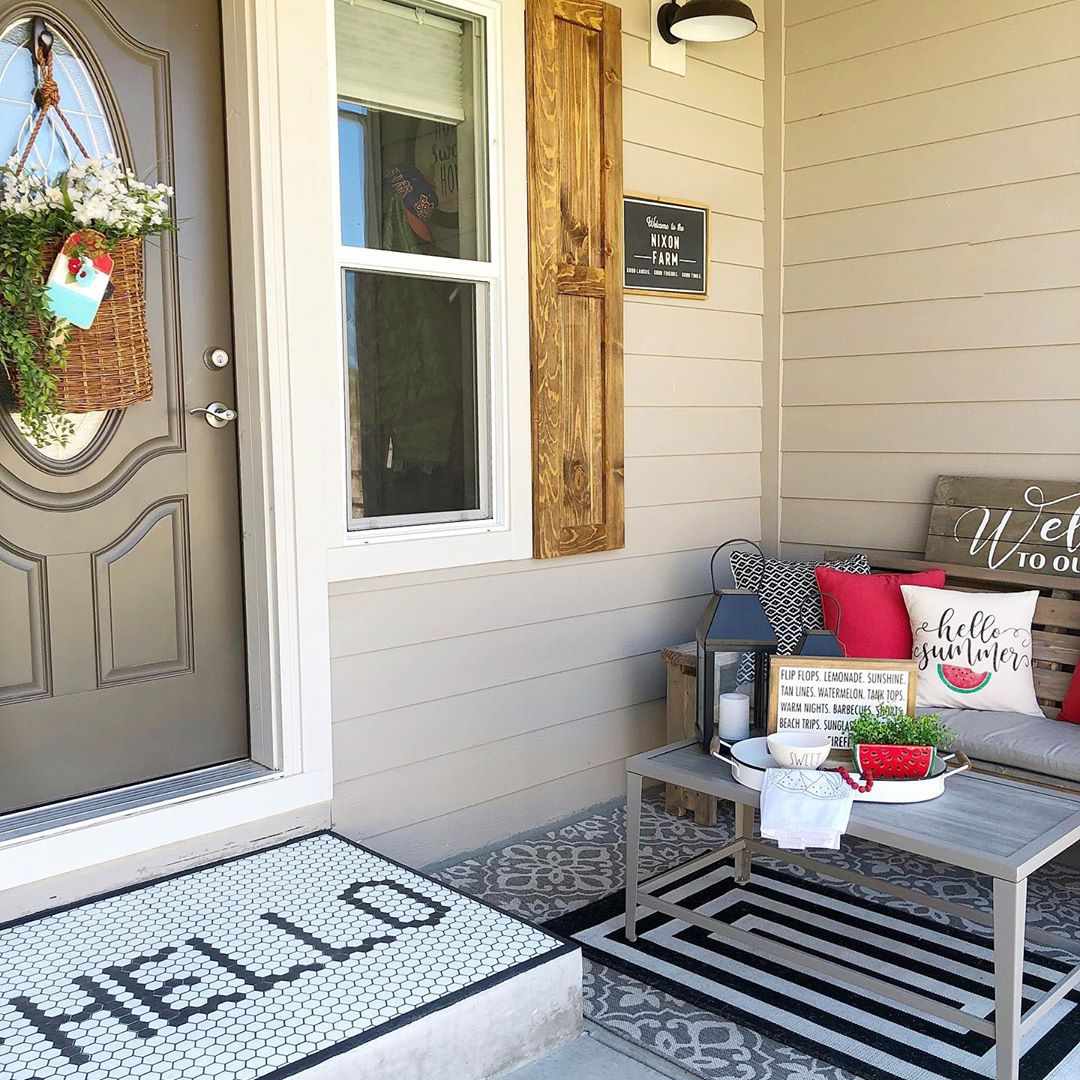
{"points": [[873, 620], [1070, 710]]}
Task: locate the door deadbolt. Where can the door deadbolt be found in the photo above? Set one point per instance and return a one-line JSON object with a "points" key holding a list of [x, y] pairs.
{"points": [[217, 414], [216, 358]]}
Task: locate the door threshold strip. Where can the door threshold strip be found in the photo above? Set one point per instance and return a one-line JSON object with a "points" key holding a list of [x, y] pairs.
{"points": [[24, 823]]}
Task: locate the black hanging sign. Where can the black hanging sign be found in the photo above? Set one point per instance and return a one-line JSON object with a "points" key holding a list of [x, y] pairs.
{"points": [[666, 247]]}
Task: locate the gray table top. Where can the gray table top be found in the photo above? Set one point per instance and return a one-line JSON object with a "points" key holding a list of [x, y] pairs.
{"points": [[987, 824]]}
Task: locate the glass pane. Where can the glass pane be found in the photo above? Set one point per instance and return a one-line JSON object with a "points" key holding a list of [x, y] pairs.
{"points": [[52, 153], [417, 440], [54, 148], [411, 129]]}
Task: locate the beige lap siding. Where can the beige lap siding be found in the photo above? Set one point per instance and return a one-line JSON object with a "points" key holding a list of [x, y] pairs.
{"points": [[932, 258], [472, 703]]}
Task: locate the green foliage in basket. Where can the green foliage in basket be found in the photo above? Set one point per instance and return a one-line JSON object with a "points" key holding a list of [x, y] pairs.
{"points": [[98, 194], [24, 315], [890, 726]]}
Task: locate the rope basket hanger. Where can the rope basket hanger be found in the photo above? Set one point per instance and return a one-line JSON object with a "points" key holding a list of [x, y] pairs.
{"points": [[108, 365]]}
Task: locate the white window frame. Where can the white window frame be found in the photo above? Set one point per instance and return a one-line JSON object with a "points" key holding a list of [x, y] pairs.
{"points": [[507, 532]]}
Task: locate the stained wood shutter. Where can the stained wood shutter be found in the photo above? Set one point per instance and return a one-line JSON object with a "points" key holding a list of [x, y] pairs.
{"points": [[575, 259]]}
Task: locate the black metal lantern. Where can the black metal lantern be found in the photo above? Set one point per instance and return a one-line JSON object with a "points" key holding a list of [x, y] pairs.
{"points": [[817, 640], [734, 621]]}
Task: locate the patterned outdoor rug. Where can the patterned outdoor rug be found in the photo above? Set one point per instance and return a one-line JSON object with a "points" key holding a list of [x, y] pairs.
{"points": [[252, 968], [721, 1013]]}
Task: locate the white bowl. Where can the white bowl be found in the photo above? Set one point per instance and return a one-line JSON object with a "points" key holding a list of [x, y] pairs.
{"points": [[799, 749]]}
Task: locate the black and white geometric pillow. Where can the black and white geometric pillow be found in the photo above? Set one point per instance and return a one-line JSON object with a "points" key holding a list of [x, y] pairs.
{"points": [[787, 589]]}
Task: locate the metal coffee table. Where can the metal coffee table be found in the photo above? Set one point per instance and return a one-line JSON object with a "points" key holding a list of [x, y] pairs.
{"points": [[990, 825]]}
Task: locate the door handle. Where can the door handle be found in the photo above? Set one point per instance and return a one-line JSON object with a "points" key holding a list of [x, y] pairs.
{"points": [[217, 414]]}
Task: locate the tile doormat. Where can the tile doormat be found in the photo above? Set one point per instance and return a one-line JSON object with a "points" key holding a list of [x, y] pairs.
{"points": [[256, 967], [722, 1014]]}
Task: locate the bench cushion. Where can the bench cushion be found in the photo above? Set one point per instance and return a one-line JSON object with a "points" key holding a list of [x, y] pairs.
{"points": [[1032, 743]]}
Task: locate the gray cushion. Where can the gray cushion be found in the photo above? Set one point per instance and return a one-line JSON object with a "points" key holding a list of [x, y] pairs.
{"points": [[1033, 743]]}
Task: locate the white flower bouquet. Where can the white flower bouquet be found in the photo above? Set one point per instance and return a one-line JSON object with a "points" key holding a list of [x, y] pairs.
{"points": [[100, 210], [98, 193]]}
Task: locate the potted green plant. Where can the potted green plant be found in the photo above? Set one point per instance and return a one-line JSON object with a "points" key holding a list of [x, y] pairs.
{"points": [[887, 744]]}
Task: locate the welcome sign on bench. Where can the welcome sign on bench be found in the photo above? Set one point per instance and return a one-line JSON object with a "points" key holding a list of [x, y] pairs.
{"points": [[1028, 525], [816, 694]]}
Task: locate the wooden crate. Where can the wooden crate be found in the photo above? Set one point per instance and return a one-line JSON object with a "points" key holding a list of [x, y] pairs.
{"points": [[681, 661]]}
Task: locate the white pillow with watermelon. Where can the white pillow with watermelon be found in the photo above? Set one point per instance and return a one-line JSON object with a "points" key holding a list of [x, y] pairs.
{"points": [[973, 650]]}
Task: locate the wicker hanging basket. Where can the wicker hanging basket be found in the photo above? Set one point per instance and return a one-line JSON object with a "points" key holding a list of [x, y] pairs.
{"points": [[108, 365]]}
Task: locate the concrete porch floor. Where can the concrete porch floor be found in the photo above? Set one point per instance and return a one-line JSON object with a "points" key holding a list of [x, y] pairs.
{"points": [[589, 1058]]}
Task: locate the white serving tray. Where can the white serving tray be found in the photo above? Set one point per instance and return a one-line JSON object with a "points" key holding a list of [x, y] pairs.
{"points": [[749, 759]]}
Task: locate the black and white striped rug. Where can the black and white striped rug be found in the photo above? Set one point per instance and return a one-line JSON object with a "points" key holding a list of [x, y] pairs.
{"points": [[833, 1023]]}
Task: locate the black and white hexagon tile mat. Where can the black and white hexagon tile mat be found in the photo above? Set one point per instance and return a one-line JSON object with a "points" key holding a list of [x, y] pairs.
{"points": [[252, 968]]}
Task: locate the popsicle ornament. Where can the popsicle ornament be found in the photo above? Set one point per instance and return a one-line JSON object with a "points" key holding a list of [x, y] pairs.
{"points": [[79, 278]]}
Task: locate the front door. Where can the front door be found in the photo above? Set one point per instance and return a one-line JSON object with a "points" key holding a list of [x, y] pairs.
{"points": [[122, 652]]}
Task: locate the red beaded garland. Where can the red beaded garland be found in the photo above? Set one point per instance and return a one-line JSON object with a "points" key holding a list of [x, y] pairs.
{"points": [[862, 789]]}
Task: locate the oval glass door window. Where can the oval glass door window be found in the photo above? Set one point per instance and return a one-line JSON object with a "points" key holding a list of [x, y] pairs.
{"points": [[52, 153]]}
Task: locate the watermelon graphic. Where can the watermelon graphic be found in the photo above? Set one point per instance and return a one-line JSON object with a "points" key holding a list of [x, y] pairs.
{"points": [[961, 679]]}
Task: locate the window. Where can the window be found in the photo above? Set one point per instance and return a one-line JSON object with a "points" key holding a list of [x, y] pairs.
{"points": [[416, 378], [420, 284]]}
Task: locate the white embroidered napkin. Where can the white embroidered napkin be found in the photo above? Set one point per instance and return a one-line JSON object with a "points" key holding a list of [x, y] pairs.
{"points": [[804, 808]]}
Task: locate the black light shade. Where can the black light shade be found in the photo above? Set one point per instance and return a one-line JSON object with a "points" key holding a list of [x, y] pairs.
{"points": [[817, 640], [705, 20], [736, 621], [819, 643]]}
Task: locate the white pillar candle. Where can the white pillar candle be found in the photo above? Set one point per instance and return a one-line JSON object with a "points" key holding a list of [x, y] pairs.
{"points": [[733, 717]]}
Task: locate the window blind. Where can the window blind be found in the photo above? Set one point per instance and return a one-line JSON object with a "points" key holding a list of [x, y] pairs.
{"points": [[401, 59]]}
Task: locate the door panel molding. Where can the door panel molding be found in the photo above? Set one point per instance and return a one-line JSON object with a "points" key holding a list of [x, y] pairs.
{"points": [[113, 637], [88, 497], [33, 568], [77, 462]]}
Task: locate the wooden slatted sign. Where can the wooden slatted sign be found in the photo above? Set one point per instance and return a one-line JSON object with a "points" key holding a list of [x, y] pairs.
{"points": [[1028, 525], [575, 261]]}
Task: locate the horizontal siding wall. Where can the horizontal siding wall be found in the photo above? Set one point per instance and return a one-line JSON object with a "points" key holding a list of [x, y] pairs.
{"points": [[932, 257], [470, 704]]}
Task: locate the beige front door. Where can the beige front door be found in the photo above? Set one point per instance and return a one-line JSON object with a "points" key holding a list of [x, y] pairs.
{"points": [[121, 608]]}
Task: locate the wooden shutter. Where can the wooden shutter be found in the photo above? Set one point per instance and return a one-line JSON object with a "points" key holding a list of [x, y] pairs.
{"points": [[575, 235]]}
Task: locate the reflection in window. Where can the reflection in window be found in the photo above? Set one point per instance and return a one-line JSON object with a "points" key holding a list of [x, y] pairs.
{"points": [[411, 134], [416, 440]]}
